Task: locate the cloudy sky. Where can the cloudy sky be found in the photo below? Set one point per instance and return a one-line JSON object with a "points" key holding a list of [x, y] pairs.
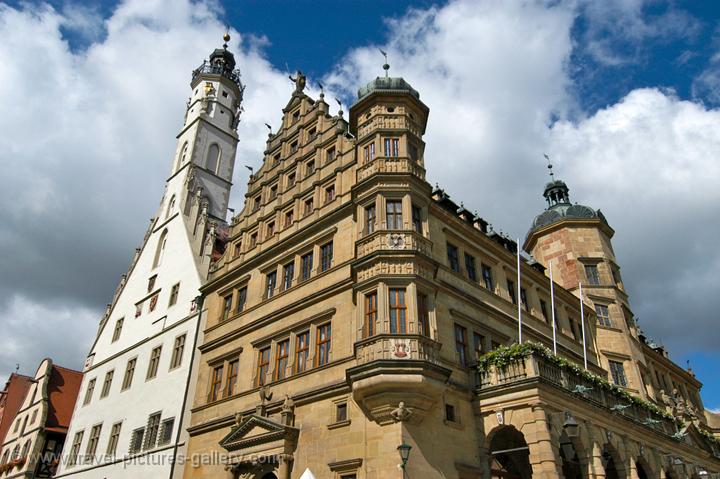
{"points": [[623, 94]]}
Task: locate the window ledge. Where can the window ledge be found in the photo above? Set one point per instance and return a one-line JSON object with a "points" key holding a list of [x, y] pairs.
{"points": [[453, 424], [339, 424]]}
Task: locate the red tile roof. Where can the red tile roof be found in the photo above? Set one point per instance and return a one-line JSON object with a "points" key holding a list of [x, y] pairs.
{"points": [[62, 391], [11, 400]]}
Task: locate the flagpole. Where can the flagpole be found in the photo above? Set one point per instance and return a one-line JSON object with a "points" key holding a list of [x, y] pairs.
{"points": [[518, 295], [582, 323], [552, 307]]}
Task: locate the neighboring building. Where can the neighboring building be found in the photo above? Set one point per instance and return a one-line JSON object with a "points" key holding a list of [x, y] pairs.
{"points": [[356, 309], [11, 399], [32, 446], [131, 418]]}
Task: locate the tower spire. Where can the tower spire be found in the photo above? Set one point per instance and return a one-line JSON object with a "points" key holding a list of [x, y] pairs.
{"points": [[386, 66]]}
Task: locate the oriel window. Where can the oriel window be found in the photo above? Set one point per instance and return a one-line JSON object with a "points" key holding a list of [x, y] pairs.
{"points": [[417, 219], [398, 311], [423, 315], [369, 152], [370, 218], [370, 314], [593, 277], [393, 210], [392, 147]]}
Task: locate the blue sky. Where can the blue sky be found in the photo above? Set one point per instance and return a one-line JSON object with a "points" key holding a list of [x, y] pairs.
{"points": [[622, 93]]}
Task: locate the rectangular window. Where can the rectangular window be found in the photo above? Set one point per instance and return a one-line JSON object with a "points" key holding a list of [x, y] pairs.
{"points": [[417, 219], [329, 193], [151, 283], [543, 309], [370, 219], [369, 152], [241, 299], [603, 315], [393, 214], [370, 314], [302, 350], [282, 351], [289, 218], [118, 329], [392, 147], [511, 291], [232, 375], [253, 240], [238, 249], [617, 371], [257, 201], [89, 391], [288, 275], [270, 283], [478, 341], [151, 434], [294, 144], [524, 300], [107, 384], [452, 254], [593, 277], [309, 206], [295, 117], [114, 439], [166, 429], [470, 267], [306, 261], [227, 307], [263, 366], [330, 154], [413, 152], [178, 350], [487, 277], [341, 412], [322, 347], [326, 256], [129, 373], [291, 180], [215, 383], [174, 294], [273, 192], [270, 229], [154, 362], [461, 344], [423, 315], [75, 448], [310, 168], [450, 413], [93, 441], [398, 311], [136, 440]]}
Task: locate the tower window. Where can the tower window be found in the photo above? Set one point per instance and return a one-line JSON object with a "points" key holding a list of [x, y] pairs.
{"points": [[603, 315], [309, 206], [450, 413], [423, 315], [593, 277], [293, 147], [291, 180], [174, 294], [417, 219], [370, 314], [369, 152], [370, 218], [160, 249], [392, 147], [310, 167], [393, 210], [398, 311], [213, 158], [617, 371], [270, 229], [288, 218], [273, 192]]}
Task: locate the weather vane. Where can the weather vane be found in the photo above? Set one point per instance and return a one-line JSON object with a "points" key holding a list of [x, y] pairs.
{"points": [[550, 166], [386, 66]]}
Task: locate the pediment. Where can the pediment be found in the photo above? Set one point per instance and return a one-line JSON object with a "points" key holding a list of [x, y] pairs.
{"points": [[256, 430], [295, 100]]}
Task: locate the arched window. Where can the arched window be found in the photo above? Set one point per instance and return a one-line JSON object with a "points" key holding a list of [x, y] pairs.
{"points": [[171, 206], [213, 158], [16, 452], [5, 457], [160, 249], [183, 155]]}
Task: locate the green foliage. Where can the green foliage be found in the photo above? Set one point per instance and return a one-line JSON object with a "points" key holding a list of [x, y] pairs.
{"points": [[505, 355]]}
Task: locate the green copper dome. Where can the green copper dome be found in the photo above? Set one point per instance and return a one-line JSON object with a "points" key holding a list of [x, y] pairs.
{"points": [[387, 85], [557, 195]]}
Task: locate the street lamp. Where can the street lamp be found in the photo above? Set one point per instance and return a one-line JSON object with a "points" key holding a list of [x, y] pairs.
{"points": [[404, 450]]}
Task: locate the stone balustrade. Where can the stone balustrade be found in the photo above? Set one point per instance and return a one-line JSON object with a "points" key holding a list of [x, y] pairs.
{"points": [[393, 241], [388, 122], [535, 368], [397, 346], [384, 164]]}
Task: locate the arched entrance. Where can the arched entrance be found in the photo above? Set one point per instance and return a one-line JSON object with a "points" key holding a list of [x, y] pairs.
{"points": [[509, 454], [611, 463], [571, 466], [642, 471]]}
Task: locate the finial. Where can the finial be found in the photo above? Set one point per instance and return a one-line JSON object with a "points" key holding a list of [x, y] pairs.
{"points": [[550, 167], [386, 67], [340, 111], [226, 37], [322, 90]]}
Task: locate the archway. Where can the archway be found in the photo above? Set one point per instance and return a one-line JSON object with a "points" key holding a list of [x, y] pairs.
{"points": [[642, 471], [571, 467], [509, 454], [612, 463]]}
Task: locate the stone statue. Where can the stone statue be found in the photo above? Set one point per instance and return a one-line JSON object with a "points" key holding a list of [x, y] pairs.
{"points": [[288, 404], [238, 418], [265, 395], [401, 413], [299, 81]]}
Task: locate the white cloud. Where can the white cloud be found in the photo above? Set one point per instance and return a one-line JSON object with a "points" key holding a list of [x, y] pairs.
{"points": [[88, 136]]}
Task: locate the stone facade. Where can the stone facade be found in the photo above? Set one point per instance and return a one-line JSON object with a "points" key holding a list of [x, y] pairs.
{"points": [[348, 313]]}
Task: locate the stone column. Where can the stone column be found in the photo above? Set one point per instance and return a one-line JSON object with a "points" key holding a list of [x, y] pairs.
{"points": [[597, 470], [544, 449]]}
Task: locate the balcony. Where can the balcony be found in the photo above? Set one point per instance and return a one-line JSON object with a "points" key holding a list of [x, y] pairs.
{"points": [[384, 164], [388, 122], [395, 368], [393, 241], [531, 365]]}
